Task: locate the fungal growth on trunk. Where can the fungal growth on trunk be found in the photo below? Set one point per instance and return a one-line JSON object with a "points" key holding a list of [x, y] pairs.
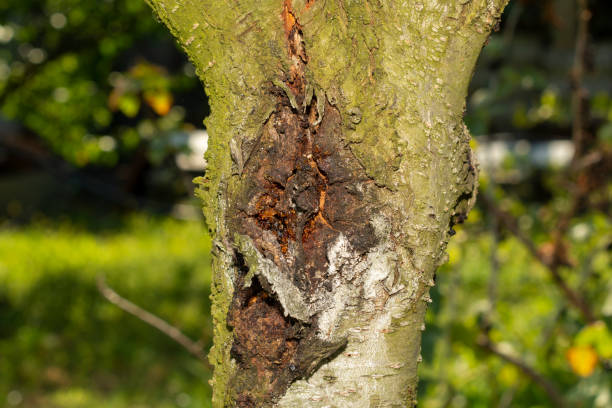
{"points": [[338, 164]]}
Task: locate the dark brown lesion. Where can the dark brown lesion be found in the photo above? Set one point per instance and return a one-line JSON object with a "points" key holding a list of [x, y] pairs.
{"points": [[265, 344], [300, 188], [304, 189], [272, 350]]}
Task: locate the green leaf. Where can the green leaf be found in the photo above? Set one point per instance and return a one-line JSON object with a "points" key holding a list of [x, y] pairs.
{"points": [[129, 104], [597, 335]]}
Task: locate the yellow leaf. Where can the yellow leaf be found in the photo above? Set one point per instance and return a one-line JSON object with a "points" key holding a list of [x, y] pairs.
{"points": [[160, 101], [582, 359]]}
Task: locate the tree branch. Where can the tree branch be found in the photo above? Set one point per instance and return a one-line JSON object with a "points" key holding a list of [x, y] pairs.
{"points": [[580, 108], [483, 339], [195, 348], [552, 262], [551, 389], [581, 137], [579, 191]]}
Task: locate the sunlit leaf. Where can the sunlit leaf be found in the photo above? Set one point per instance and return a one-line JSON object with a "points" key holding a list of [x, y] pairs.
{"points": [[605, 133], [160, 101], [129, 104]]}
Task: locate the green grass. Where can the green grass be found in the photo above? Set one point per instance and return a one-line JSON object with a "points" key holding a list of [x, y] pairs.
{"points": [[63, 345]]}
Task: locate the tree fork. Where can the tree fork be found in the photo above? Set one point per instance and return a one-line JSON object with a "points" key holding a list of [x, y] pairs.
{"points": [[338, 163]]}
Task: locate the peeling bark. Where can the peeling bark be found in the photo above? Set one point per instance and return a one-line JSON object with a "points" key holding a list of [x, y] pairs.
{"points": [[339, 164]]}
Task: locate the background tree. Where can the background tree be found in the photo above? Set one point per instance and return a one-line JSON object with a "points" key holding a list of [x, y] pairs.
{"points": [[339, 163], [115, 90]]}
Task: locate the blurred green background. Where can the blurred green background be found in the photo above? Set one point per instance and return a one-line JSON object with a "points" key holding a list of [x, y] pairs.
{"points": [[101, 133]]}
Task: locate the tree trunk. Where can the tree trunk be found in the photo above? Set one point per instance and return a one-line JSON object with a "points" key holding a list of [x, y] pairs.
{"points": [[338, 164]]}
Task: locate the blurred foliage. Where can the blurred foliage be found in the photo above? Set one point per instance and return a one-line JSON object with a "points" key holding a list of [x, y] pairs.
{"points": [[522, 78], [521, 94], [495, 277], [63, 345], [95, 80]]}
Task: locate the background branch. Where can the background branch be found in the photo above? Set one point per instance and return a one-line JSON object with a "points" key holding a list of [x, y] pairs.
{"points": [[551, 389], [552, 262], [580, 106], [195, 348]]}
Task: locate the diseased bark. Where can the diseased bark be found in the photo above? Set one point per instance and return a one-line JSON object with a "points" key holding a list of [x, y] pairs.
{"points": [[338, 165]]}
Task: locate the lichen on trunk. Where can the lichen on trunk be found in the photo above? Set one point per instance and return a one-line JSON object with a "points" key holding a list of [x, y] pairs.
{"points": [[339, 163]]}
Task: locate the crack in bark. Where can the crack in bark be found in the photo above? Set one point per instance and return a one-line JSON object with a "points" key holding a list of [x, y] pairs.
{"points": [[465, 201], [296, 49]]}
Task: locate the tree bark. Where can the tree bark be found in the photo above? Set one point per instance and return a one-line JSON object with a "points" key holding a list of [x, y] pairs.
{"points": [[338, 164]]}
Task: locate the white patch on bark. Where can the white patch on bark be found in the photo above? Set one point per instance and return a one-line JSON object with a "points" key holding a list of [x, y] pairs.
{"points": [[378, 270], [344, 266], [357, 280], [373, 370], [287, 293], [368, 307]]}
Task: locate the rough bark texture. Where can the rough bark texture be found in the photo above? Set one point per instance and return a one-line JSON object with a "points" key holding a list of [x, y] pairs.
{"points": [[338, 164]]}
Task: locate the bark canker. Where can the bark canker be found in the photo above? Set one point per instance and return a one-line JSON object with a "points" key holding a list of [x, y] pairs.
{"points": [[304, 189]]}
